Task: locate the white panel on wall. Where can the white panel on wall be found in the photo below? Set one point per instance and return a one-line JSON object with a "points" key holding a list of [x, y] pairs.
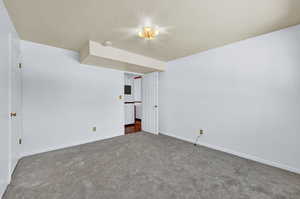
{"points": [[137, 89], [63, 100], [128, 80], [245, 96], [138, 111], [129, 114]]}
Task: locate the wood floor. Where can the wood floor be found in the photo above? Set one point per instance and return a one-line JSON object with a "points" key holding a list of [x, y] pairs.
{"points": [[133, 128]]}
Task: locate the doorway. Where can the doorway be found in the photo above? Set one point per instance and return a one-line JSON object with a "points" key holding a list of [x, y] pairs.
{"points": [[133, 103], [141, 102], [15, 95]]}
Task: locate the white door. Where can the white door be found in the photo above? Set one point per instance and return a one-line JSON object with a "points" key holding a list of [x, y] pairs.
{"points": [[150, 103], [16, 102]]}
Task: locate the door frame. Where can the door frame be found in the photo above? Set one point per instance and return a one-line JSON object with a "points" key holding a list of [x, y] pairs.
{"points": [[14, 150]]}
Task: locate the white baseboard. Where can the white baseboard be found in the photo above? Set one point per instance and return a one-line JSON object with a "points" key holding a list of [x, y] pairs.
{"points": [[3, 187], [53, 148], [239, 154], [3, 184]]}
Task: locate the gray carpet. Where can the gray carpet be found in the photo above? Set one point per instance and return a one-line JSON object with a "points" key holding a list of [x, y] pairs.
{"points": [[145, 166]]}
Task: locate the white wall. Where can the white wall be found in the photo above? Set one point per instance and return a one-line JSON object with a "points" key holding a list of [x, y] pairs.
{"points": [[6, 29], [63, 99], [129, 80], [138, 110], [129, 114], [138, 98], [137, 84], [246, 96]]}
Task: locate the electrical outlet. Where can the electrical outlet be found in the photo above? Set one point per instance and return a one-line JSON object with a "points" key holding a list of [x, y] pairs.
{"points": [[94, 129], [201, 131]]}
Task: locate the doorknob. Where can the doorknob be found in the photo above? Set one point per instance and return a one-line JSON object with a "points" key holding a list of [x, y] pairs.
{"points": [[13, 114]]}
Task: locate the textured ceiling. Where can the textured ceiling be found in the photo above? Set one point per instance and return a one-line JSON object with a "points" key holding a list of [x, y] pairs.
{"points": [[190, 26]]}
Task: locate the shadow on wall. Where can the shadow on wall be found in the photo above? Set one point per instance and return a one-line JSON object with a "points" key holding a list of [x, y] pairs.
{"points": [[290, 14]]}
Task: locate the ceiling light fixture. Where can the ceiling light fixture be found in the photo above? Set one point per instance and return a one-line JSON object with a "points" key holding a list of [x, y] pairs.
{"points": [[107, 43], [148, 32]]}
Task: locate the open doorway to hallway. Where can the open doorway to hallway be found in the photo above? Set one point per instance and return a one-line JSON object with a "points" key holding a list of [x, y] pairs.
{"points": [[133, 102]]}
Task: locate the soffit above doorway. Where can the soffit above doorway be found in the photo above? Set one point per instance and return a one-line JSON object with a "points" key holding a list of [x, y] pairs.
{"points": [[94, 53]]}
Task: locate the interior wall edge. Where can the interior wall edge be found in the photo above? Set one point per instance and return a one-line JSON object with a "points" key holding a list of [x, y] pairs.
{"points": [[239, 154], [3, 186], [293, 27], [7, 32]]}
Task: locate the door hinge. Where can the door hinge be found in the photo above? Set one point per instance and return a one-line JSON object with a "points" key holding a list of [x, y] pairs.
{"points": [[20, 65], [20, 141], [13, 114]]}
